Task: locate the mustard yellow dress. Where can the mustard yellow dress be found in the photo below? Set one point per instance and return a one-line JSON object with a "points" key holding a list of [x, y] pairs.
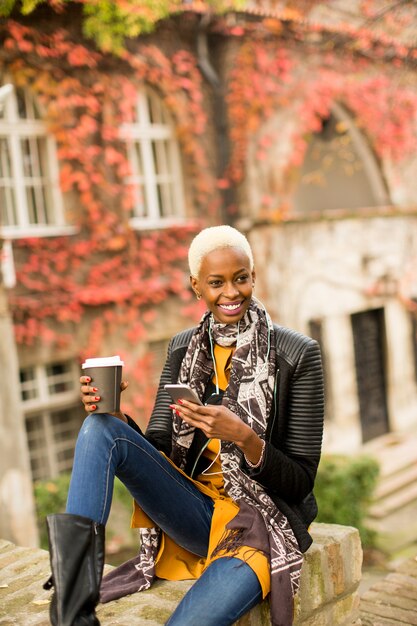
{"points": [[174, 562]]}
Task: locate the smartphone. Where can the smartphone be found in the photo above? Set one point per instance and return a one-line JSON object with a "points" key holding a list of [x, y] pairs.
{"points": [[182, 392]]}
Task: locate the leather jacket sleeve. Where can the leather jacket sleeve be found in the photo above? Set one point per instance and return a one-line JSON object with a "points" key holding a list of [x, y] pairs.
{"points": [[159, 430], [293, 450]]}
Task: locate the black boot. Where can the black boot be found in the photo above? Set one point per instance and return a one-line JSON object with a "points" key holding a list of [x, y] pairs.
{"points": [[76, 550]]}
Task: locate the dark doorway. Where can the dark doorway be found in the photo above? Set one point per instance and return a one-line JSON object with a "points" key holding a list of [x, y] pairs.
{"points": [[369, 343]]}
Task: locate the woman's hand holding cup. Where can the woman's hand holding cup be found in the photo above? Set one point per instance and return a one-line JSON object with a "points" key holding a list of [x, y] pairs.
{"points": [[91, 395], [101, 386]]}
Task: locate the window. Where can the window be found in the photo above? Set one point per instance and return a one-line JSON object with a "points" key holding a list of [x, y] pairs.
{"points": [[154, 159], [340, 170], [30, 199], [53, 416]]}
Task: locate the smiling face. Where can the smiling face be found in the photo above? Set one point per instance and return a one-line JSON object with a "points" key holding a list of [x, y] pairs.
{"points": [[225, 282]]}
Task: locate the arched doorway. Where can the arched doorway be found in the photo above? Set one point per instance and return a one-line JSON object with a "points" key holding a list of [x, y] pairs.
{"points": [[340, 171]]}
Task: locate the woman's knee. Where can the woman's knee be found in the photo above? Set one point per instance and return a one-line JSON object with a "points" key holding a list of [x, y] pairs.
{"points": [[96, 427]]}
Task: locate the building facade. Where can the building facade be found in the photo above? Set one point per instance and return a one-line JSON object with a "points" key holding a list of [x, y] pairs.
{"points": [[280, 125]]}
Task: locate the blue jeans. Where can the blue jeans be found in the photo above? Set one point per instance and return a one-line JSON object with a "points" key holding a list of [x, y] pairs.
{"points": [[107, 447]]}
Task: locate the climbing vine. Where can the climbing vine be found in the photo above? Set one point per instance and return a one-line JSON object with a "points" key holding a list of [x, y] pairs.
{"points": [[267, 77], [111, 23], [110, 274], [107, 273]]}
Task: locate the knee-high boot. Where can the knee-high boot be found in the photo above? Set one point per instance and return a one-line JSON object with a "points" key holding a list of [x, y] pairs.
{"points": [[76, 549]]}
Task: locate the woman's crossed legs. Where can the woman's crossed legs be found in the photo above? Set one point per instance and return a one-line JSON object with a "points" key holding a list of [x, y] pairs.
{"points": [[107, 447]]}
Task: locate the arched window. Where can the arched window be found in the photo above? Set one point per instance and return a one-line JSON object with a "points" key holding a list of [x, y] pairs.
{"points": [[154, 158], [30, 198], [340, 170]]}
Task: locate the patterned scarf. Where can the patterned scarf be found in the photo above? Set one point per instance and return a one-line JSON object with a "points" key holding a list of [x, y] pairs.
{"points": [[259, 524], [250, 396]]}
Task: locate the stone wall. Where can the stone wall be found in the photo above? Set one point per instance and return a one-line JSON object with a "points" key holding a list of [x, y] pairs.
{"points": [[17, 517], [328, 595], [328, 270]]}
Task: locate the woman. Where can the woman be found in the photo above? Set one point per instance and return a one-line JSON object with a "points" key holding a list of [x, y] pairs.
{"points": [[223, 491]]}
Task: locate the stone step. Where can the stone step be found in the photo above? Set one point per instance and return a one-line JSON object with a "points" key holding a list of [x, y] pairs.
{"points": [[393, 511], [397, 530], [394, 501], [392, 483], [376, 613], [396, 589], [394, 452], [393, 600]]}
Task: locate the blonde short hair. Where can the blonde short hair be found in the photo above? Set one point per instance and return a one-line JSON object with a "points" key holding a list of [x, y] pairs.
{"points": [[213, 238]]}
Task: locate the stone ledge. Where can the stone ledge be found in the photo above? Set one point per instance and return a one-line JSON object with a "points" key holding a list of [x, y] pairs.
{"points": [[328, 595], [330, 577]]}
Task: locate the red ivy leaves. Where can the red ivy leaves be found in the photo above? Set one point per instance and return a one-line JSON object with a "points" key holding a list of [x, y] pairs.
{"points": [[267, 78], [64, 279]]}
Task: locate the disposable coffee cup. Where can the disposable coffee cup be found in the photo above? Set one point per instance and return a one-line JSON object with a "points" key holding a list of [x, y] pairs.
{"points": [[106, 375]]}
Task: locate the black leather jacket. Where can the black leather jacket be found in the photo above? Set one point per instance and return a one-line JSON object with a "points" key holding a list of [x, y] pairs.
{"points": [[294, 431]]}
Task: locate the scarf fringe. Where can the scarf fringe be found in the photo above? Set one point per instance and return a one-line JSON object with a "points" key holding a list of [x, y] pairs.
{"points": [[229, 543]]}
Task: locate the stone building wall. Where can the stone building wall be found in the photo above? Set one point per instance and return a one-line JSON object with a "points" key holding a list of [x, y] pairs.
{"points": [[320, 268], [328, 270]]}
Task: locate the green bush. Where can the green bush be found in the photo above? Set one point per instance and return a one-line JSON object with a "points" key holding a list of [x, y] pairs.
{"points": [[344, 488], [51, 497]]}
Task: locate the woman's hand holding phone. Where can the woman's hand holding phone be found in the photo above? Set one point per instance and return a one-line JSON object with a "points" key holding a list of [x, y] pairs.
{"points": [[216, 421], [182, 392]]}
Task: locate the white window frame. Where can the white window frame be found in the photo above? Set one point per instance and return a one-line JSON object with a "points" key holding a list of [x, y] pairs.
{"points": [[42, 381], [143, 135], [14, 130], [43, 405]]}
